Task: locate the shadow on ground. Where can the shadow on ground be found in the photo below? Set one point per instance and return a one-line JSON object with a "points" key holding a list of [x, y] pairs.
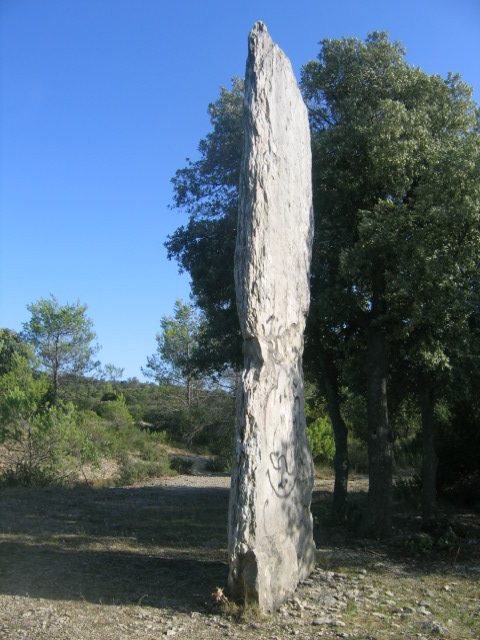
{"points": [[158, 546]]}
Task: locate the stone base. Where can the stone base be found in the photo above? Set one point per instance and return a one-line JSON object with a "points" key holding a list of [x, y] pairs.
{"points": [[271, 547]]}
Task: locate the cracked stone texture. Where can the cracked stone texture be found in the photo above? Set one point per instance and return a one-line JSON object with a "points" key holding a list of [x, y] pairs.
{"points": [[271, 547]]}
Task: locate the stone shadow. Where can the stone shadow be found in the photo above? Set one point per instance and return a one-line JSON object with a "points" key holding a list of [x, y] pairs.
{"points": [[154, 546]]}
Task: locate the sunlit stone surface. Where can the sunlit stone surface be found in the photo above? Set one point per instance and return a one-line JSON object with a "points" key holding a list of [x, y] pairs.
{"points": [[271, 546]]}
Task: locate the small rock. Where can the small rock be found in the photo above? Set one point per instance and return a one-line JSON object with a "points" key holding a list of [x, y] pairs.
{"points": [[319, 622], [423, 604], [328, 622], [436, 627], [223, 625]]}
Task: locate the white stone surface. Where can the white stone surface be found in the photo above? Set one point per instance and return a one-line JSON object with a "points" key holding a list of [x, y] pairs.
{"points": [[271, 546]]}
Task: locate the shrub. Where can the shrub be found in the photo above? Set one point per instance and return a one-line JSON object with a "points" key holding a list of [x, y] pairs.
{"points": [[43, 444], [217, 464], [320, 437], [133, 471], [408, 489], [357, 456], [182, 465], [116, 412]]}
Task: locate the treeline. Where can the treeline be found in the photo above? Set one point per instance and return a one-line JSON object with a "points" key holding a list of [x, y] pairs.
{"points": [[61, 412], [392, 344]]}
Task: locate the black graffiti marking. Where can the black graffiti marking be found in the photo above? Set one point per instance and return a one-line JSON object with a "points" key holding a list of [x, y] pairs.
{"points": [[285, 487]]}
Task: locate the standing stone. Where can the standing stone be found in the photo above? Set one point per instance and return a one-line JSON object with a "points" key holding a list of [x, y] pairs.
{"points": [[271, 546]]}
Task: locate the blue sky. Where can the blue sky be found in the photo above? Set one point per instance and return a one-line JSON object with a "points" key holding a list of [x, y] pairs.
{"points": [[102, 100]]}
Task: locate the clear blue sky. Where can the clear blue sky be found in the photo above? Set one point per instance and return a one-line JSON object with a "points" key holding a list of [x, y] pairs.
{"points": [[102, 100]]}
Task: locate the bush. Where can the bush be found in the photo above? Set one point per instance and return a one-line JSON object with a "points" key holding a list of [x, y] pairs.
{"points": [[217, 464], [133, 471], [408, 489], [42, 444], [116, 412], [140, 452], [319, 428], [182, 465], [320, 437], [357, 456]]}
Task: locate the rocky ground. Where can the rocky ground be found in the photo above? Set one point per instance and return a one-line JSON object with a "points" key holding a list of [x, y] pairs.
{"points": [[142, 563]]}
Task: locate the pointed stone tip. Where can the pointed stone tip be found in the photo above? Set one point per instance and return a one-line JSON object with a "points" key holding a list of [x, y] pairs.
{"points": [[259, 33], [260, 26]]}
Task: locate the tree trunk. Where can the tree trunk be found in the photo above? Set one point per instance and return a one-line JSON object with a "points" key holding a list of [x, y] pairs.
{"points": [[378, 517], [340, 433], [430, 460], [56, 367]]}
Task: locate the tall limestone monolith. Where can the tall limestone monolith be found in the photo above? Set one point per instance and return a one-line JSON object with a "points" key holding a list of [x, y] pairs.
{"points": [[271, 546]]}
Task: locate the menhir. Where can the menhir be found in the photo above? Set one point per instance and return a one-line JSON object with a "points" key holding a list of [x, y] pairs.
{"points": [[271, 546]]}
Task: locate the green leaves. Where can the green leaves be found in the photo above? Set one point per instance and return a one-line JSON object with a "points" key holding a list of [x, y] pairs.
{"points": [[207, 190], [61, 336], [396, 189], [174, 362], [41, 442]]}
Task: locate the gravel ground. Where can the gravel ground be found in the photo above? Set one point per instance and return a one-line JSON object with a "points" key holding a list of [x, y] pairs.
{"points": [[79, 565]]}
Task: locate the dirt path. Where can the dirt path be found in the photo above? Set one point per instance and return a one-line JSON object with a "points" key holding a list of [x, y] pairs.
{"points": [[140, 563]]}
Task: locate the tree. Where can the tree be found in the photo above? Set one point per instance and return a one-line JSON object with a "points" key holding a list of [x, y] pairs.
{"points": [[393, 152], [379, 131], [207, 190], [62, 337], [174, 361], [40, 442], [441, 325], [10, 343], [111, 372], [190, 405]]}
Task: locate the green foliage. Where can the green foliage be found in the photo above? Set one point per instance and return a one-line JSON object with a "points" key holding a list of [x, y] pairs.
{"points": [[111, 372], [357, 455], [133, 471], [207, 190], [41, 443], [182, 465], [10, 343], [194, 412], [320, 433], [156, 410], [458, 441], [116, 412], [406, 431], [62, 337], [174, 361], [396, 159], [218, 464], [51, 444]]}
